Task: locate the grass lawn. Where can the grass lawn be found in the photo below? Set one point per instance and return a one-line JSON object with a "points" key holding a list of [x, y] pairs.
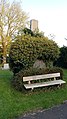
{"points": [[14, 103]]}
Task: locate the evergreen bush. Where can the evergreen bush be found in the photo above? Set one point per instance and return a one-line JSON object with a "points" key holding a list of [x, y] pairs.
{"points": [[25, 50]]}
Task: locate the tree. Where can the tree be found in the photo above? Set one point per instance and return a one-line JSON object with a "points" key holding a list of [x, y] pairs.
{"points": [[38, 33], [51, 36], [12, 18], [62, 60], [1, 54], [28, 31]]}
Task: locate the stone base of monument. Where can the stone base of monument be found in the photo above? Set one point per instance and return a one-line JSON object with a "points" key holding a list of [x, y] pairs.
{"points": [[6, 66]]}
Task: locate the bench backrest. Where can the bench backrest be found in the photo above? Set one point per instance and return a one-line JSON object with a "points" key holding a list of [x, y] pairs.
{"points": [[45, 76]]}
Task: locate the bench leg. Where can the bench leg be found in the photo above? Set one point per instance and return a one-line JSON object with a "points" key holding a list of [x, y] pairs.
{"points": [[32, 88]]}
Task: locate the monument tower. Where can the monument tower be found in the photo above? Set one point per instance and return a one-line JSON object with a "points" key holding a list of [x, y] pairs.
{"points": [[33, 24]]}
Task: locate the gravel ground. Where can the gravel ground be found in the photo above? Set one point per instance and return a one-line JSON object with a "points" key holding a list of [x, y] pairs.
{"points": [[57, 112]]}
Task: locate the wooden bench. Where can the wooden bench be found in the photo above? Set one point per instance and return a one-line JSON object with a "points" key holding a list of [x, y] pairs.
{"points": [[31, 82]]}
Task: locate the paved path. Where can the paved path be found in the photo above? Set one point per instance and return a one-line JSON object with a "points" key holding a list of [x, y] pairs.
{"points": [[58, 112]]}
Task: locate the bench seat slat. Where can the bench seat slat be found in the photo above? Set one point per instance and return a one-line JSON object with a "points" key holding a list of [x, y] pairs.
{"points": [[36, 77], [49, 83]]}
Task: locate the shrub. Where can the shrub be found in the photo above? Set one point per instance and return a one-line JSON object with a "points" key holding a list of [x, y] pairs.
{"points": [[18, 78], [26, 50], [62, 60]]}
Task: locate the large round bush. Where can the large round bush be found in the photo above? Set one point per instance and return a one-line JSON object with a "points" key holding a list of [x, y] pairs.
{"points": [[25, 50]]}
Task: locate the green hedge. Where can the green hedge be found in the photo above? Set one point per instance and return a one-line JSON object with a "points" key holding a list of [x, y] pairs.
{"points": [[62, 60], [17, 80], [26, 50]]}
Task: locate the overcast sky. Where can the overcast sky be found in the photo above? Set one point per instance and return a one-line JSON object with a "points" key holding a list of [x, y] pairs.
{"points": [[51, 16]]}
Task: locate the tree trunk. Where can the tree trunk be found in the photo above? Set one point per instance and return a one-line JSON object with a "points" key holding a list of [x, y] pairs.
{"points": [[4, 51]]}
